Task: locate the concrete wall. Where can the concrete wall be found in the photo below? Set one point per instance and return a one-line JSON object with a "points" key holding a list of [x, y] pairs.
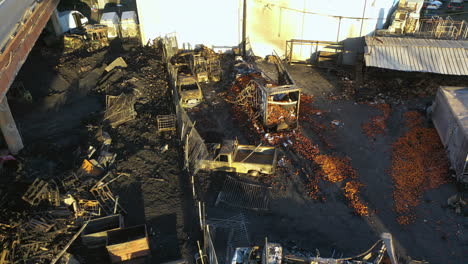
{"points": [[195, 22], [269, 22]]}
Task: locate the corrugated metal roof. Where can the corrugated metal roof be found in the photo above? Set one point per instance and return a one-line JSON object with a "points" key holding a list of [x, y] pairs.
{"points": [[418, 55]]}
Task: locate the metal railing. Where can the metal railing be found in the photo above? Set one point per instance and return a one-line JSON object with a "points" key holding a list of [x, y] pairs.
{"points": [[441, 28]]}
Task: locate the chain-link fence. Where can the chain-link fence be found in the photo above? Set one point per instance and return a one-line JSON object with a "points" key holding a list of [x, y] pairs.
{"points": [[195, 149]]}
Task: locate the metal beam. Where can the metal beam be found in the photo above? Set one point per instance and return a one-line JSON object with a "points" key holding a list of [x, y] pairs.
{"points": [[21, 43]]}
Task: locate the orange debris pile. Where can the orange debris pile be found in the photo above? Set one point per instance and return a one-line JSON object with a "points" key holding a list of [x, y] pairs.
{"points": [[306, 110], [377, 124], [278, 114], [306, 99], [332, 169], [312, 187], [419, 163], [413, 119], [351, 192], [243, 80], [305, 147], [335, 169]]}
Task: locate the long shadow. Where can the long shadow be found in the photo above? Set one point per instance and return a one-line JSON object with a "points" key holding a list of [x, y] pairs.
{"points": [[189, 213], [164, 241]]}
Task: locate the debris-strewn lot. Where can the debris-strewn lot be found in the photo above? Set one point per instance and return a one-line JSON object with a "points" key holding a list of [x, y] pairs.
{"points": [[335, 189], [364, 160], [68, 115]]}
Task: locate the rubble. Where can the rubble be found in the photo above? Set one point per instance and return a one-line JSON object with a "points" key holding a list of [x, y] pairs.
{"points": [[119, 62], [312, 118], [120, 109], [57, 202], [34, 237], [90, 38], [458, 202], [392, 86], [329, 168], [272, 105]]}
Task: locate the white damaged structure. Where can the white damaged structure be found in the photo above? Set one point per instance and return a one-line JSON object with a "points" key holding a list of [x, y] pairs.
{"points": [[450, 118]]}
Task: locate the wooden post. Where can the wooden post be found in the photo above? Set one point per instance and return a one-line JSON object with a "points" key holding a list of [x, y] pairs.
{"points": [[60, 254], [9, 130]]}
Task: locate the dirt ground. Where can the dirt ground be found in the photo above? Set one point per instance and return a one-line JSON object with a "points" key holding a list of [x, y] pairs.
{"points": [[66, 116]]}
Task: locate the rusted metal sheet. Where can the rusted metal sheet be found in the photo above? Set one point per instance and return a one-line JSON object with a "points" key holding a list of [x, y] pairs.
{"points": [[17, 50]]}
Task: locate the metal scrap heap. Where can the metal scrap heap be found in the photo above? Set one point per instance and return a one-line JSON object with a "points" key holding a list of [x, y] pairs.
{"points": [[244, 94], [58, 210], [269, 104]]}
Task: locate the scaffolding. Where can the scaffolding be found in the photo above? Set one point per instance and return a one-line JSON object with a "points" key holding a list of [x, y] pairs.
{"points": [[440, 28], [432, 28], [325, 54]]}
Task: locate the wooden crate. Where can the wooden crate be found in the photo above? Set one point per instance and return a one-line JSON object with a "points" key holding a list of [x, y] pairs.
{"points": [[95, 233], [128, 244]]}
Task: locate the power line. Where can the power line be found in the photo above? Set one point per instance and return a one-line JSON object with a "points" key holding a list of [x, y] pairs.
{"points": [[318, 14]]}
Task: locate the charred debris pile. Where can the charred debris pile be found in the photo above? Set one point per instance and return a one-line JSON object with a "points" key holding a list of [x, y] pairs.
{"points": [[53, 197], [273, 107]]}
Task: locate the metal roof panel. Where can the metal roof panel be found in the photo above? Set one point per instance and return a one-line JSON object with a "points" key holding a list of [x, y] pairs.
{"points": [[412, 54]]}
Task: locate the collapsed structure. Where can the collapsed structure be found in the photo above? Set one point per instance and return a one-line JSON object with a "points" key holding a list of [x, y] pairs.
{"points": [[90, 38], [273, 104], [78, 208], [186, 70]]}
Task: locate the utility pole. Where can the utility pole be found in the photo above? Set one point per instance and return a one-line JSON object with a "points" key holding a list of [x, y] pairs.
{"points": [[362, 19], [244, 28]]}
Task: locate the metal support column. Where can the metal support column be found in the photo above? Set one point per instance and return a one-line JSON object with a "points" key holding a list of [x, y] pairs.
{"points": [[9, 130]]}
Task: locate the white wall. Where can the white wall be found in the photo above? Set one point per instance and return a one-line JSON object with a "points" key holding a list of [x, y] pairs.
{"points": [[269, 22], [209, 22], [272, 22]]}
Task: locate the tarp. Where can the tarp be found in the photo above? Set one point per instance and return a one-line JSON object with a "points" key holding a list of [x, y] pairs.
{"points": [[450, 118]]}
